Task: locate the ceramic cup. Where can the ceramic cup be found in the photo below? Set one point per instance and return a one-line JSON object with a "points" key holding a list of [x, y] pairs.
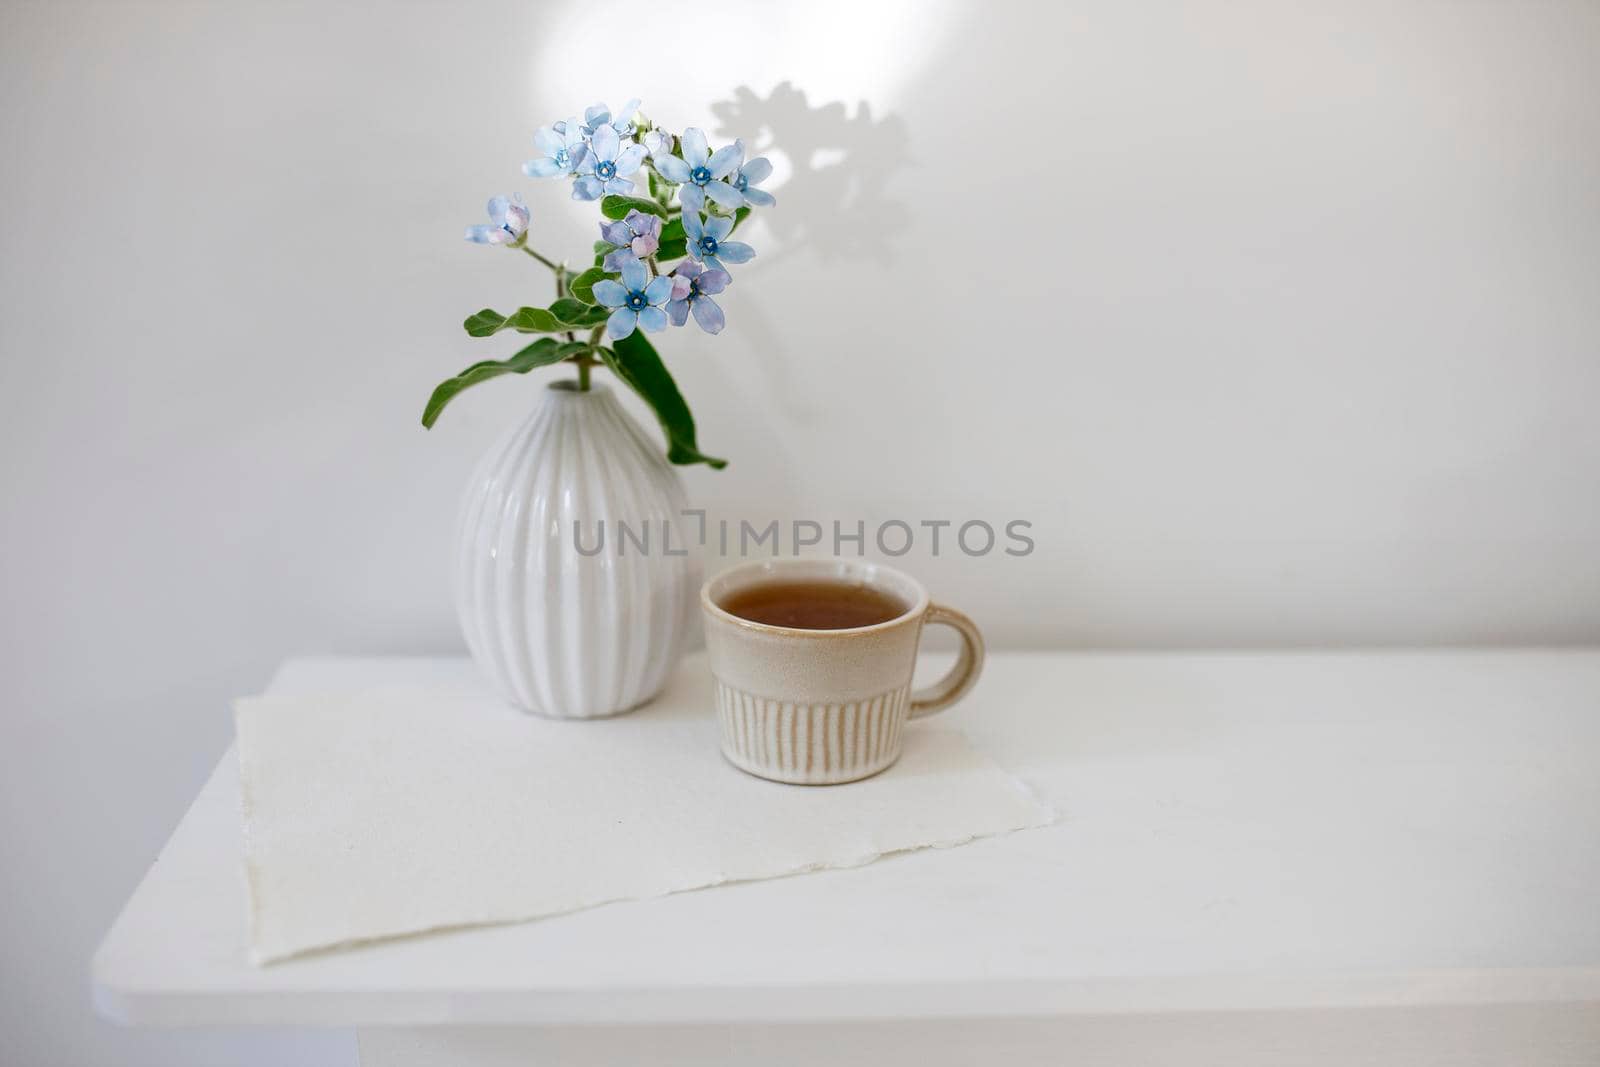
{"points": [[820, 707]]}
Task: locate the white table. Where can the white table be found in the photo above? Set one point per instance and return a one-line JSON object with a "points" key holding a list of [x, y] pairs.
{"points": [[1264, 859]]}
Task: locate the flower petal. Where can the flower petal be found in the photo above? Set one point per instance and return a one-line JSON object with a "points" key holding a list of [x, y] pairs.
{"points": [[659, 291], [678, 312], [626, 113], [735, 252], [587, 187], [682, 286], [541, 168], [629, 158], [621, 323], [645, 245], [496, 209], [693, 199], [693, 228], [719, 226], [610, 294], [759, 197], [616, 233], [725, 160], [709, 315], [548, 140], [483, 235], [757, 170], [725, 194], [634, 276], [713, 281], [620, 186], [673, 169], [688, 269], [605, 143], [613, 261], [595, 114], [652, 320], [695, 152]]}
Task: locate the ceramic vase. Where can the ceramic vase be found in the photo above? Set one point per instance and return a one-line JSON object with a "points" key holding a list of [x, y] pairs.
{"points": [[575, 585]]}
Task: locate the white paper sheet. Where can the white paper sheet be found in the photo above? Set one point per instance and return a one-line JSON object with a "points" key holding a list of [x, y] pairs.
{"points": [[389, 812]]}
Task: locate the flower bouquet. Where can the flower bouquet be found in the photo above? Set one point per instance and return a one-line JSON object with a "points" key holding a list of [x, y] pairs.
{"points": [[662, 258]]}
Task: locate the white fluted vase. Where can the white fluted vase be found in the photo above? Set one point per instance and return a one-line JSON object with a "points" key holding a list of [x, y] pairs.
{"points": [[575, 584]]}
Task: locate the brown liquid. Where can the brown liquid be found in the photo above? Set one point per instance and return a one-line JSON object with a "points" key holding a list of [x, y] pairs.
{"points": [[814, 605]]}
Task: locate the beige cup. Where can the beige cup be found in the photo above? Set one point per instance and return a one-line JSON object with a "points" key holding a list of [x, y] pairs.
{"points": [[819, 707]]}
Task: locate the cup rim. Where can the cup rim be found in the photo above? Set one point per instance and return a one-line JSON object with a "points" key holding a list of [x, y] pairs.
{"points": [[918, 607]]}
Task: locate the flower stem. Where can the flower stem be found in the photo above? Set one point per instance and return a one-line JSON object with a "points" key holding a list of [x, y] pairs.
{"points": [[585, 360], [541, 259]]}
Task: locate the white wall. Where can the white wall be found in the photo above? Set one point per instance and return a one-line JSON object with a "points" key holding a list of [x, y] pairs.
{"points": [[1278, 321]]}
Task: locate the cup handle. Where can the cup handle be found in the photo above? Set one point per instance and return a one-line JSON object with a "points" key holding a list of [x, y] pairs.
{"points": [[954, 685]]}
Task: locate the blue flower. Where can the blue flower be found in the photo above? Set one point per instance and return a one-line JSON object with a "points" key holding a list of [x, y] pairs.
{"points": [[707, 241], [638, 235], [508, 223], [700, 172], [637, 299], [749, 175], [563, 146], [658, 143], [606, 165], [599, 115], [692, 288]]}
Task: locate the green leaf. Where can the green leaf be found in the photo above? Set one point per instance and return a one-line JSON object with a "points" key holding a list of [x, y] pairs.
{"points": [[484, 323], [523, 320], [572, 348], [616, 207], [577, 314], [582, 286], [564, 314], [634, 360], [542, 353], [673, 243]]}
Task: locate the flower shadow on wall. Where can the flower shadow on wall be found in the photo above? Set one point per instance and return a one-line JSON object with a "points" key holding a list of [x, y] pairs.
{"points": [[832, 175], [835, 197]]}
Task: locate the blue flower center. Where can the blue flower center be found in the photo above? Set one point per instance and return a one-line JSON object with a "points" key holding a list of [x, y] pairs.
{"points": [[742, 184], [708, 245], [636, 301], [561, 157], [700, 175], [694, 289], [506, 226], [606, 170]]}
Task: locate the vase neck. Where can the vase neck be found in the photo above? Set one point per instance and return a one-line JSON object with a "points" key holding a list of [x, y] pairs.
{"points": [[566, 391]]}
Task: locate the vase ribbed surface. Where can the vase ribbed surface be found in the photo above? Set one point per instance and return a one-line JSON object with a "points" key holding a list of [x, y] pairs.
{"points": [[562, 629]]}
